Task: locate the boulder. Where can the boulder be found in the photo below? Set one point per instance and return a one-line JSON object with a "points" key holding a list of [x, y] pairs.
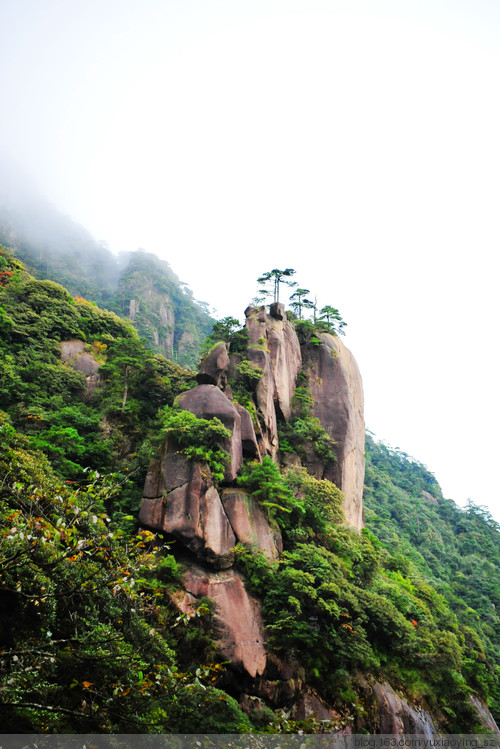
{"points": [[249, 524], [82, 361], [181, 501], [335, 384], [237, 616], [214, 366], [207, 402], [170, 471], [248, 439], [256, 322]]}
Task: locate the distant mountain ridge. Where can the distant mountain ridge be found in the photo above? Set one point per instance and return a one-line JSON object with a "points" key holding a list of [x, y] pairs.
{"points": [[137, 285]]}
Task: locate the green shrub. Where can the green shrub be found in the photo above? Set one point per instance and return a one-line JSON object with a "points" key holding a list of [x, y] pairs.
{"points": [[198, 439]]}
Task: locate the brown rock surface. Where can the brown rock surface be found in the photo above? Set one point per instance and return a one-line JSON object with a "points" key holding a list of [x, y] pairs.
{"points": [[274, 347], [286, 360], [277, 335], [249, 523], [264, 396], [397, 716], [248, 438], [181, 501], [237, 615], [336, 386], [208, 401], [485, 717], [170, 471], [214, 366], [82, 361], [309, 704]]}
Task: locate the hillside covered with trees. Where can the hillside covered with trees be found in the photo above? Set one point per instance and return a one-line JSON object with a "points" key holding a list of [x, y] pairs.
{"points": [[136, 285], [92, 636]]}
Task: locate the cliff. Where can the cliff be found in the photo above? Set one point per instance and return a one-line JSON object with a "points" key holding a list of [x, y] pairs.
{"points": [[251, 598], [136, 285], [294, 403]]}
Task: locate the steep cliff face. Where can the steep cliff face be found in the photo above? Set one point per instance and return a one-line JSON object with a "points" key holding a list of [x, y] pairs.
{"points": [[137, 285], [310, 604], [181, 500], [164, 313], [335, 383]]}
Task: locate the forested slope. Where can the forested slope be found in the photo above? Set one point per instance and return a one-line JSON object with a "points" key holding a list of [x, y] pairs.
{"points": [[137, 285], [456, 550], [91, 636]]}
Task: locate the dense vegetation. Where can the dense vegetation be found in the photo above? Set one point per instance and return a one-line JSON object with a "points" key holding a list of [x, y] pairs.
{"points": [[135, 284], [456, 550], [90, 639]]}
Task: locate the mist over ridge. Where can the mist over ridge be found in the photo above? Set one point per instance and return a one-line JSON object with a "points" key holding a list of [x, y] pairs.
{"points": [[135, 284]]}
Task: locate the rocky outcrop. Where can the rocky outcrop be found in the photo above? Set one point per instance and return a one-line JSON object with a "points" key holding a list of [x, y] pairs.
{"points": [[485, 717], [237, 616], [309, 705], [75, 353], [214, 366], [275, 349], [392, 713], [286, 358], [207, 402], [180, 500], [249, 444], [249, 523], [337, 390]]}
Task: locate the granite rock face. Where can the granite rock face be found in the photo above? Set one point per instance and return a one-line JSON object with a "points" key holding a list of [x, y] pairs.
{"points": [[180, 500], [249, 444], [207, 402], [249, 523], [275, 349], [214, 366], [240, 627], [286, 358], [395, 715], [337, 390]]}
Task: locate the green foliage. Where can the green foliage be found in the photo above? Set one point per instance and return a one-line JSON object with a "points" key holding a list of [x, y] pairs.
{"points": [[331, 320], [322, 500], [228, 330], [306, 332], [44, 395], [404, 507], [250, 371], [304, 430], [166, 316], [299, 303], [198, 439], [224, 329], [210, 710], [267, 485], [271, 280], [96, 322]]}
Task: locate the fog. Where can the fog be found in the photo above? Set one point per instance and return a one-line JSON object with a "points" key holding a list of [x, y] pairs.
{"points": [[355, 142]]}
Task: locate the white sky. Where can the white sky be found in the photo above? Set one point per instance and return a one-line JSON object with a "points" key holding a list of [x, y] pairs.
{"points": [[357, 142]]}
